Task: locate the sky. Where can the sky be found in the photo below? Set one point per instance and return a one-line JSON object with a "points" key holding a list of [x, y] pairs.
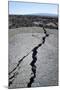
{"points": [[22, 8]]}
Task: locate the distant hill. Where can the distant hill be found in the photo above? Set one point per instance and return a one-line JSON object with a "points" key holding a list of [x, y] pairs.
{"points": [[43, 14]]}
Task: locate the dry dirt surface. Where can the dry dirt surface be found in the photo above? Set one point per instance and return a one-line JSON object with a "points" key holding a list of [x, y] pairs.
{"points": [[33, 57]]}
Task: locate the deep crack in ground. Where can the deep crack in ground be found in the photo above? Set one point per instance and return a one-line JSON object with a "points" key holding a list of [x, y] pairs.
{"points": [[34, 56], [13, 75]]}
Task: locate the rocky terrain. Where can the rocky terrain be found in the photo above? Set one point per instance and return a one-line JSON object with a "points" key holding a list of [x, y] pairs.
{"points": [[16, 21]]}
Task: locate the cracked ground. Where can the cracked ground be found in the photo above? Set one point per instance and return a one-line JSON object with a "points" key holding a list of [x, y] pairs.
{"points": [[33, 57]]}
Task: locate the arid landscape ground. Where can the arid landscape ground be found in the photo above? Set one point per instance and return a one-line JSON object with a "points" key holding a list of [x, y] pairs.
{"points": [[33, 51]]}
